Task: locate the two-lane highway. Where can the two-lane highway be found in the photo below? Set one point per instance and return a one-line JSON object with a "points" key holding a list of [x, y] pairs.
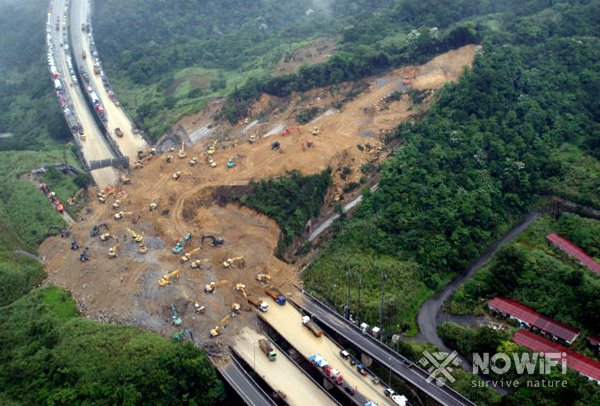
{"points": [[243, 384], [400, 365]]}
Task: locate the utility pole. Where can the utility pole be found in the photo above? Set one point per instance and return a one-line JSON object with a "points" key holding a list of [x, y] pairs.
{"points": [[348, 273], [358, 301], [383, 278]]}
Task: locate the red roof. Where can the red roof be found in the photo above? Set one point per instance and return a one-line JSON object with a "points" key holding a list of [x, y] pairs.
{"points": [[584, 365], [514, 309], [533, 318], [594, 340], [574, 251]]}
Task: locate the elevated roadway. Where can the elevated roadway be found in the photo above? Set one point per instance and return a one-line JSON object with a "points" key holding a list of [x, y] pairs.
{"points": [[244, 385]]}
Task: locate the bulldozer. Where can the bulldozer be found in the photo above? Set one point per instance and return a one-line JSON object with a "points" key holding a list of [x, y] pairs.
{"points": [[96, 229], [166, 279], [114, 250], [175, 317], [210, 288], [135, 236], [186, 257], [215, 332], [263, 277], [181, 154], [177, 175], [212, 149], [216, 241], [229, 262], [84, 257], [179, 246], [198, 263]]}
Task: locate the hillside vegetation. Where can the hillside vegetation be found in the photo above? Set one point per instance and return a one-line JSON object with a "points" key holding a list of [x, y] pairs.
{"points": [[475, 163]]}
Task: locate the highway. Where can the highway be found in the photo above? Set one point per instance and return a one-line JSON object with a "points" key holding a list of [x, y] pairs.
{"points": [[131, 142], [243, 384], [400, 365], [94, 146]]}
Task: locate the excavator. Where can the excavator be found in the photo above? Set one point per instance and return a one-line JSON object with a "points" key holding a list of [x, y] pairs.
{"points": [[198, 263], [105, 193], [229, 262], [96, 229], [216, 241], [177, 175], [116, 204], [169, 158], [114, 250], [236, 308], [186, 257], [231, 163], [263, 277], [194, 161], [212, 163], [136, 237], [316, 130], [166, 279], [119, 215], [180, 336], [84, 257], [179, 246], [74, 244], [175, 316], [210, 288], [64, 232], [105, 237], [72, 201], [142, 249], [212, 148], [181, 153], [215, 332], [197, 307]]}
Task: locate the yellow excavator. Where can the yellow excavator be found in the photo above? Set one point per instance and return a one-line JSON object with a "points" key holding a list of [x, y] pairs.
{"points": [[105, 193], [215, 332], [316, 130], [210, 288], [142, 249], [136, 237], [116, 204], [197, 307], [263, 277], [194, 161], [114, 250], [181, 153], [105, 237], [166, 279], [212, 149], [198, 263], [119, 215], [186, 257], [229, 262], [236, 308]]}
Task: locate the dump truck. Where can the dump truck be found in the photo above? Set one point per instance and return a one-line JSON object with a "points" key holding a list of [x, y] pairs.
{"points": [[276, 295], [262, 306], [312, 326], [267, 349]]}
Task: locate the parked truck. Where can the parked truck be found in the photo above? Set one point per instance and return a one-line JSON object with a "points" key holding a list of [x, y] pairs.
{"points": [[262, 306], [276, 295], [267, 349], [312, 326]]}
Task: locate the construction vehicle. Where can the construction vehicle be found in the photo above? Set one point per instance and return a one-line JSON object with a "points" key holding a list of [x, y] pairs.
{"points": [[136, 237], [215, 332], [316, 130], [84, 257], [210, 288], [178, 248], [104, 194], [212, 148], [236, 308], [63, 232], [275, 145], [267, 349], [276, 295], [169, 158], [177, 175], [96, 229], [186, 257], [262, 306], [361, 369], [119, 132], [125, 180], [212, 163], [121, 214], [72, 201], [263, 277], [311, 325], [142, 249], [194, 161], [83, 54], [216, 241], [116, 204], [252, 139], [181, 154], [175, 316], [74, 244], [229, 262], [326, 369], [166, 279], [231, 163], [114, 250], [198, 263], [289, 130], [197, 307], [153, 206], [105, 237], [180, 336]]}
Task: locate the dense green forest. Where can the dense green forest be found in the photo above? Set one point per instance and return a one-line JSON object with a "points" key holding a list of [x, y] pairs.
{"points": [[540, 276], [475, 163]]}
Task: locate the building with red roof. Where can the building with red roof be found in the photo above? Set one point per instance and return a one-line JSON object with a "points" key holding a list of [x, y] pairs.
{"points": [[574, 251], [594, 342], [530, 318], [575, 361]]}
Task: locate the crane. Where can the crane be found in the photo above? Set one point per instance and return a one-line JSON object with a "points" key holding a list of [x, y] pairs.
{"points": [[198, 263], [229, 262], [136, 237], [186, 257], [166, 279], [210, 288], [114, 250], [215, 332], [216, 241]]}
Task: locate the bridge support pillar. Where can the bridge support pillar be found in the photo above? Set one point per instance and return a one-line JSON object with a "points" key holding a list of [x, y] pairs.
{"points": [[366, 360]]}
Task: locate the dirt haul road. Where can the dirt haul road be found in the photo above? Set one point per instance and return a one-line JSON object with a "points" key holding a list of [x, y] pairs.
{"points": [[281, 374], [125, 289]]}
